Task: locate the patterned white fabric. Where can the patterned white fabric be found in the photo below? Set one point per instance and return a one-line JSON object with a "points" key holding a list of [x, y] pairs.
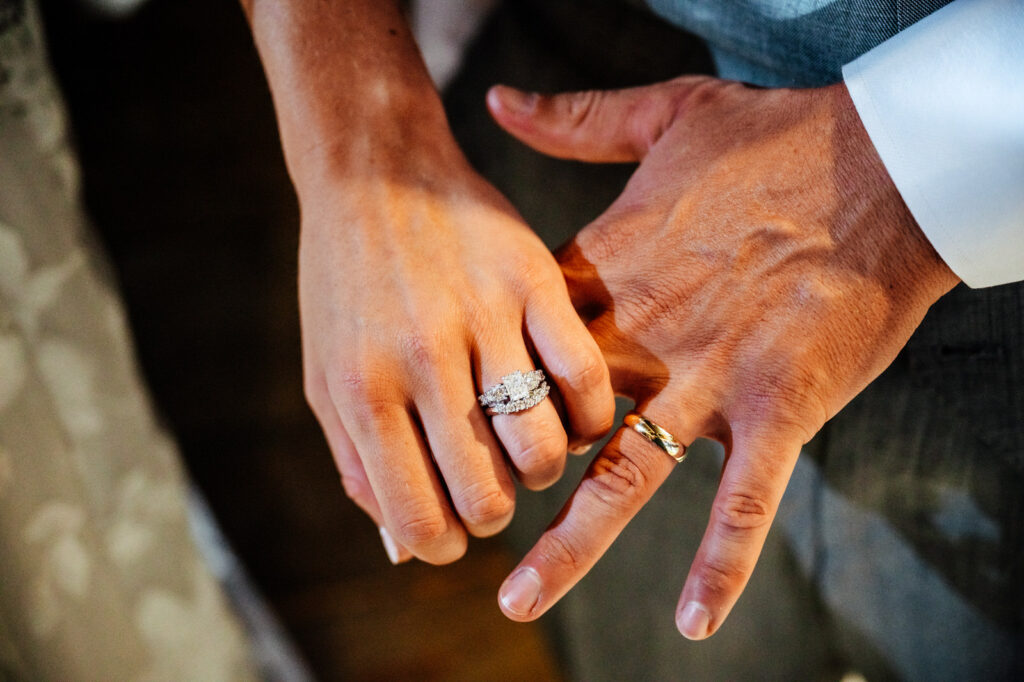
{"points": [[99, 576]]}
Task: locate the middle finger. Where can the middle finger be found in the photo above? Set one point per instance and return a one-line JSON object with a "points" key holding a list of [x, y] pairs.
{"points": [[464, 447]]}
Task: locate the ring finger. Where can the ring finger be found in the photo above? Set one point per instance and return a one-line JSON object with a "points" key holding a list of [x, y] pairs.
{"points": [[534, 438]]}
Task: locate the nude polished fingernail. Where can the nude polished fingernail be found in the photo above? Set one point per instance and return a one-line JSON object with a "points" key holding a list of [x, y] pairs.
{"points": [[519, 594], [693, 622], [390, 546], [580, 449], [512, 100]]}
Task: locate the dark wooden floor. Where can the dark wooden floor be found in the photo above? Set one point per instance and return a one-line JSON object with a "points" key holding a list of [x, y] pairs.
{"points": [[184, 178]]}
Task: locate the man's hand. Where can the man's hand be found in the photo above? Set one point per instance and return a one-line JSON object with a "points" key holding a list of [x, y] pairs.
{"points": [[758, 271], [419, 287]]}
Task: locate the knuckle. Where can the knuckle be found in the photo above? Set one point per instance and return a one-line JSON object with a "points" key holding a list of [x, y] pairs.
{"points": [[721, 577], [373, 408], [357, 489], [590, 374], [740, 512], [703, 92], [357, 383], [560, 551], [582, 106], [423, 352], [486, 505], [602, 241], [422, 528], [533, 274], [543, 453], [618, 480], [788, 399], [366, 393]]}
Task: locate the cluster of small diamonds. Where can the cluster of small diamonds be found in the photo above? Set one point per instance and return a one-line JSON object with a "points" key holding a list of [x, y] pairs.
{"points": [[516, 392]]}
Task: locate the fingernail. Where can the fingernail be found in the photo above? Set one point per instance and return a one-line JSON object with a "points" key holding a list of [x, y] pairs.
{"points": [[693, 621], [512, 100], [520, 592], [390, 546], [580, 449]]}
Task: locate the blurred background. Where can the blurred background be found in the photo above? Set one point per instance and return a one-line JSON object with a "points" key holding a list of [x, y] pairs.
{"points": [[185, 183]]}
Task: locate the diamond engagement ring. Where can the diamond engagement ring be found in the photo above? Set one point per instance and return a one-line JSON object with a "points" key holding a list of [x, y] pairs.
{"points": [[516, 392]]}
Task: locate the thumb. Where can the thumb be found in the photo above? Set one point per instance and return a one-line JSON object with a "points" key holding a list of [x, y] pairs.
{"points": [[593, 125]]}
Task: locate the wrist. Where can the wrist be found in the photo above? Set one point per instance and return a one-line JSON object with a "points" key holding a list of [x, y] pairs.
{"points": [[348, 84], [402, 152], [911, 257], [398, 133]]}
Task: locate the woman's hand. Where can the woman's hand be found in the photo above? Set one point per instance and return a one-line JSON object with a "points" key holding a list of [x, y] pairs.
{"points": [[420, 286], [758, 271]]}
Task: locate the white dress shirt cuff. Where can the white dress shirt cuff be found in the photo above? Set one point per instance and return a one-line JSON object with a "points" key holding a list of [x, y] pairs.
{"points": [[943, 103]]}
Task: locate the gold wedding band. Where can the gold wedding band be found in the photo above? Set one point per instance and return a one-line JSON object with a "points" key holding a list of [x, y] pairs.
{"points": [[657, 435]]}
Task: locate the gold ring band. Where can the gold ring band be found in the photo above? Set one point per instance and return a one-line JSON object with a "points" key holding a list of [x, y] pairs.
{"points": [[657, 435]]}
